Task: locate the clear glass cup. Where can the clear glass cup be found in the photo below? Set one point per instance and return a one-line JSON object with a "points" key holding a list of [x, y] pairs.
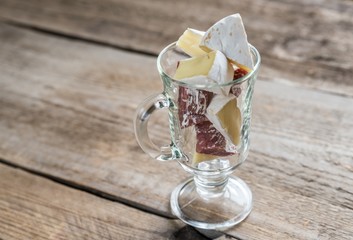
{"points": [[211, 199]]}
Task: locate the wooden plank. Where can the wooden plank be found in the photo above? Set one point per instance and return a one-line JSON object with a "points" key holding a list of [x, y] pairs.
{"points": [[32, 207], [301, 42], [67, 111], [92, 130]]}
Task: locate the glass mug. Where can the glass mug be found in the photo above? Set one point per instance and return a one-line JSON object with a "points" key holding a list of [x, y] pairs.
{"points": [[211, 199]]}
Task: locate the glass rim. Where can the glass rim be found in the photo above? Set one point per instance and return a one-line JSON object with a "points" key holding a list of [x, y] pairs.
{"points": [[213, 85]]}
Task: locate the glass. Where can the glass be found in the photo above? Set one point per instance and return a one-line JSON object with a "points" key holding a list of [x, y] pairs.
{"points": [[212, 199]]}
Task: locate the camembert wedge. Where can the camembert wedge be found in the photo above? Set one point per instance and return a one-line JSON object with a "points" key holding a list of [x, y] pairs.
{"points": [[207, 69], [226, 118], [228, 36], [189, 42]]}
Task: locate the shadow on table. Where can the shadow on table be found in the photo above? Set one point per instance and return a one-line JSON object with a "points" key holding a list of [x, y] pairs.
{"points": [[189, 232]]}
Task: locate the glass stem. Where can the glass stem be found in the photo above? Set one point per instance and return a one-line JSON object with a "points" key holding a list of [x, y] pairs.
{"points": [[211, 186]]}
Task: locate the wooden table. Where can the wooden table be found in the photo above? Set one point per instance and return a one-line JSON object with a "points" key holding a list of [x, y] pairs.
{"points": [[73, 72]]}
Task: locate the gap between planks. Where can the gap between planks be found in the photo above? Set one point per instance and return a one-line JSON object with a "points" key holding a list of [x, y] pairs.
{"points": [[68, 36], [89, 190], [55, 208], [75, 37], [142, 52], [186, 232]]}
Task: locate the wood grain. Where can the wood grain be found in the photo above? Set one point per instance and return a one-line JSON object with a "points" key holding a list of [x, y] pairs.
{"points": [[66, 110], [301, 42], [35, 208]]}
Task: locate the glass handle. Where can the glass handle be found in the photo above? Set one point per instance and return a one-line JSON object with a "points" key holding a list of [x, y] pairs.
{"points": [[143, 113]]}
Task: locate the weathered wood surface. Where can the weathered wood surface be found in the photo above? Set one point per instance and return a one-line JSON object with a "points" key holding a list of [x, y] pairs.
{"points": [[66, 111], [35, 208], [300, 41], [75, 117]]}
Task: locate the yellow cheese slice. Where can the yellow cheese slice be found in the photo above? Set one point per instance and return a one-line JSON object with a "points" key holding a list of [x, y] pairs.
{"points": [[195, 66], [208, 69], [226, 117], [189, 42], [201, 157], [230, 119]]}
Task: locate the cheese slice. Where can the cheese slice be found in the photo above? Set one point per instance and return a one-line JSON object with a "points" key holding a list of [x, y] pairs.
{"points": [[189, 42], [226, 118], [207, 69], [228, 36], [200, 157]]}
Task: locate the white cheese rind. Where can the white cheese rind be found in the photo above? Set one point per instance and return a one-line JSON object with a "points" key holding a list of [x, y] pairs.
{"points": [[223, 72], [228, 36]]}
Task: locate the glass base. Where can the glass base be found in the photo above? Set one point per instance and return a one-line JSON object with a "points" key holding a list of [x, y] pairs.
{"points": [[212, 212]]}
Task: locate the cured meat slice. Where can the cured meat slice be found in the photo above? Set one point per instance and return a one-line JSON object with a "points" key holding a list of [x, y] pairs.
{"points": [[236, 89], [209, 140], [192, 105]]}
